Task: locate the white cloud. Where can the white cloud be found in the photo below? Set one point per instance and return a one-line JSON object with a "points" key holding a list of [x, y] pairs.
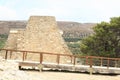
{"points": [[7, 13]]}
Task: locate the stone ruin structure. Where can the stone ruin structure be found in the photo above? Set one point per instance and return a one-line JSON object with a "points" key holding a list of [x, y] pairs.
{"points": [[13, 38], [41, 34]]}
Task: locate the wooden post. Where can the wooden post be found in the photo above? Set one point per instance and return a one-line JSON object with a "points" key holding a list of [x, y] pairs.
{"points": [[41, 58], [91, 70], [86, 60], [71, 59], [115, 63], [58, 58], [6, 54], [101, 62], [108, 62], [10, 54], [91, 62], [23, 56], [74, 60]]}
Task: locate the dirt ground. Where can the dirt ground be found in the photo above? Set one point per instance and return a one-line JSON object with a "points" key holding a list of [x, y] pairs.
{"points": [[50, 75]]}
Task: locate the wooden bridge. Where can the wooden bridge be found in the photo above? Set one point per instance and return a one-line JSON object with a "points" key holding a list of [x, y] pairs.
{"points": [[77, 63]]}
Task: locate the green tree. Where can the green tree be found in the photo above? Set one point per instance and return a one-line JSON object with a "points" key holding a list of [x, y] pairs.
{"points": [[3, 38], [105, 41]]}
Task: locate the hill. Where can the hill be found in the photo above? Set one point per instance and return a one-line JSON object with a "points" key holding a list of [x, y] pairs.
{"points": [[75, 29], [5, 26], [70, 29]]}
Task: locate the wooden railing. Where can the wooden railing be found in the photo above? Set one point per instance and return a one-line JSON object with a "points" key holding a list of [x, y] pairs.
{"points": [[74, 59]]}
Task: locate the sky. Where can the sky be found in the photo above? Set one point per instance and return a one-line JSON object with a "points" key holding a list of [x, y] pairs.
{"points": [[83, 11]]}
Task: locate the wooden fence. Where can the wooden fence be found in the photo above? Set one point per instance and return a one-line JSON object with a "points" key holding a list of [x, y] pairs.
{"points": [[74, 59]]}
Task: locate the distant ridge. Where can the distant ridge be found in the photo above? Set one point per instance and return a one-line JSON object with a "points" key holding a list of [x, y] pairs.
{"points": [[69, 28]]}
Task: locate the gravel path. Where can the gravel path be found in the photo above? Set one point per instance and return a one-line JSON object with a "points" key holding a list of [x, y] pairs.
{"points": [[69, 76]]}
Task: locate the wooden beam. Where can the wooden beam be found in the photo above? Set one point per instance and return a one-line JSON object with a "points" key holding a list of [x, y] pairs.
{"points": [[6, 54], [58, 58], [41, 58]]}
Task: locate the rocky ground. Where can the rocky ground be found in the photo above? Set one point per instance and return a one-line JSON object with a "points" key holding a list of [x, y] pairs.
{"points": [[9, 71]]}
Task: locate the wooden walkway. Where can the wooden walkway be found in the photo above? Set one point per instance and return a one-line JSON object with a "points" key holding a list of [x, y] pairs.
{"points": [[66, 67], [90, 64]]}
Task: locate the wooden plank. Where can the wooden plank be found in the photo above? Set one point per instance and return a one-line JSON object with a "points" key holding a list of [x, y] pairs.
{"points": [[28, 64], [71, 67], [6, 54]]}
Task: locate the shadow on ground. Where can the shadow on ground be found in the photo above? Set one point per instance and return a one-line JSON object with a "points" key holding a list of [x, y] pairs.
{"points": [[65, 71]]}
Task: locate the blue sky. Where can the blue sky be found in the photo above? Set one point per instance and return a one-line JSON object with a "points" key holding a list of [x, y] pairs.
{"points": [[64, 10]]}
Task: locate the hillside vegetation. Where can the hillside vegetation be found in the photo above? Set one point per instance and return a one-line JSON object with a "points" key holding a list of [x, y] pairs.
{"points": [[105, 41], [3, 38]]}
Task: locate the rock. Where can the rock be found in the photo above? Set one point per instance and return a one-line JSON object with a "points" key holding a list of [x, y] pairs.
{"points": [[14, 75], [9, 71]]}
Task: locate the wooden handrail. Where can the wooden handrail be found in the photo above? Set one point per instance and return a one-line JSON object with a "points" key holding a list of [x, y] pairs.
{"points": [[89, 59]]}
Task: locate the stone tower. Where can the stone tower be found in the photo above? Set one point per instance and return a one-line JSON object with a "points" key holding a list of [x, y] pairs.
{"points": [[42, 35], [12, 39]]}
